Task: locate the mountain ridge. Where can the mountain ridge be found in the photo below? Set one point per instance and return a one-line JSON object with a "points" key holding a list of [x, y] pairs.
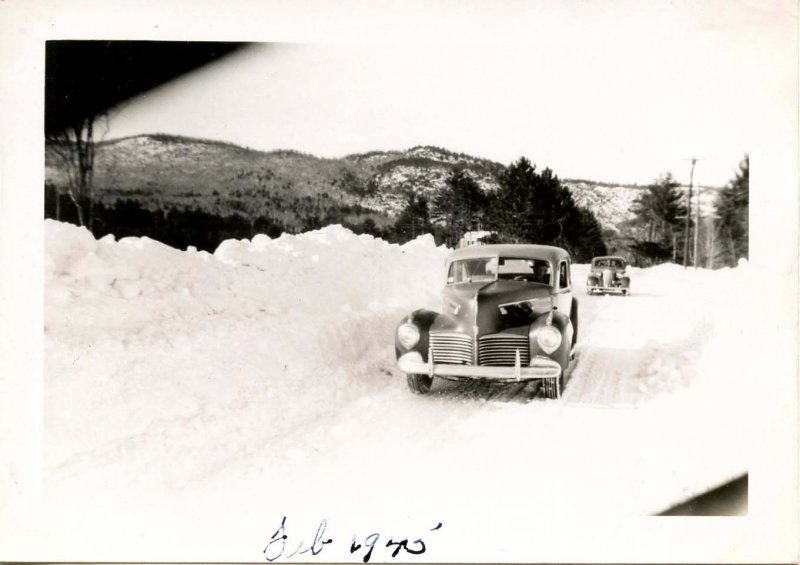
{"points": [[164, 170]]}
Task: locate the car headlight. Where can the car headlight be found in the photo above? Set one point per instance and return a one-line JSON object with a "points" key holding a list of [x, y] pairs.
{"points": [[408, 335], [549, 339]]}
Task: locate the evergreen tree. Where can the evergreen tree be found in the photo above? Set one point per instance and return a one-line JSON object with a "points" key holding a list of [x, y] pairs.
{"points": [[732, 210], [588, 239], [414, 220], [660, 212], [532, 207], [460, 206]]}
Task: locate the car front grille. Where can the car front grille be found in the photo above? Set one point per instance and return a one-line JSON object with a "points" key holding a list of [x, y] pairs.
{"points": [[451, 348], [500, 350]]}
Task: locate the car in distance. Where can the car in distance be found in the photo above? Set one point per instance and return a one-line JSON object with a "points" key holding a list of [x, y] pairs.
{"points": [[607, 275], [508, 315]]}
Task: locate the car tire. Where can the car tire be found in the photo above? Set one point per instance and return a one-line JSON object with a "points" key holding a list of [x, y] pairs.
{"points": [[551, 390], [573, 317], [419, 384], [549, 387]]}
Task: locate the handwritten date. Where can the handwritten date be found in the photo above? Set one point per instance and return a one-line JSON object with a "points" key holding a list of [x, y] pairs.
{"points": [[281, 546]]}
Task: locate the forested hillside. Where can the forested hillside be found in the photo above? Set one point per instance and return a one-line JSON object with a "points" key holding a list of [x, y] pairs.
{"points": [[185, 191]]}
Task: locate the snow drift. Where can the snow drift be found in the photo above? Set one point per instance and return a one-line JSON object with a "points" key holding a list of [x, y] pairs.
{"points": [[193, 399]]}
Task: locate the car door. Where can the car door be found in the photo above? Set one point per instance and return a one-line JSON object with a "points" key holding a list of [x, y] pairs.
{"points": [[563, 287]]}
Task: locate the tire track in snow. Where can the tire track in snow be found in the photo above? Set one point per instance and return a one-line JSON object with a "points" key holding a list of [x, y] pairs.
{"points": [[631, 349]]}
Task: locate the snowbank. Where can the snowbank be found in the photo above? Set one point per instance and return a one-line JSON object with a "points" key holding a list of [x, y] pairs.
{"points": [[346, 272], [228, 389]]}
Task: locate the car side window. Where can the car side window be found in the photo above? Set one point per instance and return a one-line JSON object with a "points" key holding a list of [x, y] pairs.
{"points": [[451, 274], [563, 275]]}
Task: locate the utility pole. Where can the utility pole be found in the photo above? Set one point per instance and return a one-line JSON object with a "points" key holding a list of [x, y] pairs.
{"points": [[688, 217], [696, 225]]}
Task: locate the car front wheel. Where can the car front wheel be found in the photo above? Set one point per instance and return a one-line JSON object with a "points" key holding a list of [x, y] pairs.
{"points": [[553, 388], [419, 384]]}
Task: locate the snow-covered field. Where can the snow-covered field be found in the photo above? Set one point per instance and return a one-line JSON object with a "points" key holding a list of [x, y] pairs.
{"points": [[193, 400]]}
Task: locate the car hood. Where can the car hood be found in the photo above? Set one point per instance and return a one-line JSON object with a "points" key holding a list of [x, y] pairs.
{"points": [[489, 307]]}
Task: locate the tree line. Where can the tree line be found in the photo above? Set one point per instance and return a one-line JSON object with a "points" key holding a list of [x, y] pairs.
{"points": [[666, 227], [528, 207], [185, 226]]}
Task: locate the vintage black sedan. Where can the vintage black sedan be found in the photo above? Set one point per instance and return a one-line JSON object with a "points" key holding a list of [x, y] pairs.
{"points": [[607, 275], [508, 315]]}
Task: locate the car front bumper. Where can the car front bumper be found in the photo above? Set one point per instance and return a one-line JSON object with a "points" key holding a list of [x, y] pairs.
{"points": [[540, 368], [600, 288]]}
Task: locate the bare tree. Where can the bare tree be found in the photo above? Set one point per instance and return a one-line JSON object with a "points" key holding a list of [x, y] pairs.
{"points": [[74, 145], [711, 242]]}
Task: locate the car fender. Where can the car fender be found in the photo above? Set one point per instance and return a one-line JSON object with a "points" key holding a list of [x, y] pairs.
{"points": [[573, 316], [564, 325], [625, 282], [423, 319], [593, 280]]}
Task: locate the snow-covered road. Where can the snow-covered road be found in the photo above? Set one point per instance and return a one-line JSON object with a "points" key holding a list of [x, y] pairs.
{"points": [[193, 400]]}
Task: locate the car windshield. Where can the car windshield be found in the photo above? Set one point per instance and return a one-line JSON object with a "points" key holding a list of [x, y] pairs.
{"points": [[472, 270], [493, 268], [525, 269]]}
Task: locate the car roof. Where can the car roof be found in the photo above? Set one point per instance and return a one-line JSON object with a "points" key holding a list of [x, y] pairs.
{"points": [[544, 252], [609, 257]]}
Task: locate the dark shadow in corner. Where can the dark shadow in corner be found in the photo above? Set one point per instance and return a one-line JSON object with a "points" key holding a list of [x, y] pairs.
{"points": [[728, 500]]}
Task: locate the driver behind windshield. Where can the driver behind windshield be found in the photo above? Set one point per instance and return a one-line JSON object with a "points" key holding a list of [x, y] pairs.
{"points": [[540, 273]]}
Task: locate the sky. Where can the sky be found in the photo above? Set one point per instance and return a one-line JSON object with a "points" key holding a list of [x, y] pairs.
{"points": [[615, 92]]}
